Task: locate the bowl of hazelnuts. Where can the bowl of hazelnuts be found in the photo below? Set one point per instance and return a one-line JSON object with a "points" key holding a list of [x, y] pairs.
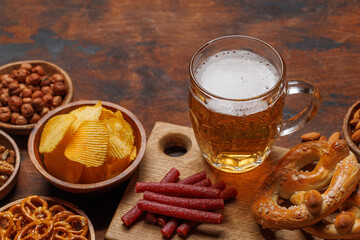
{"points": [[28, 91]]}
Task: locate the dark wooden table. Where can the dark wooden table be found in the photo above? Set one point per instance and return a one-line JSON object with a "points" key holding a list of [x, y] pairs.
{"points": [[136, 54]]}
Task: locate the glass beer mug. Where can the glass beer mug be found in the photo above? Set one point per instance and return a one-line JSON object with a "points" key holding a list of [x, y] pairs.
{"points": [[237, 92]]}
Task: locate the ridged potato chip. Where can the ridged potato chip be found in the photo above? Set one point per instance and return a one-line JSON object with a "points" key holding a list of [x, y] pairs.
{"points": [[85, 113], [121, 137], [60, 167], [89, 144], [115, 166], [106, 114], [54, 132]]}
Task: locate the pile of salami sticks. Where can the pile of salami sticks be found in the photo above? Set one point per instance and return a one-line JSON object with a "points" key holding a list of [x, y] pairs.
{"points": [[180, 205]]}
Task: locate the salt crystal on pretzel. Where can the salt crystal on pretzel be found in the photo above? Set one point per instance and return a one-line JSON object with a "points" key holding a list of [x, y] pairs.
{"points": [[337, 171]]}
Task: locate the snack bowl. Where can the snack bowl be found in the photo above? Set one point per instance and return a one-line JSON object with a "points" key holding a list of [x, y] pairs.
{"points": [[50, 69], [37, 158], [67, 205], [347, 129], [9, 143]]}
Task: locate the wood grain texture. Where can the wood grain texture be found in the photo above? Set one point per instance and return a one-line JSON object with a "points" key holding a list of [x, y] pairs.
{"points": [[238, 221], [136, 53]]}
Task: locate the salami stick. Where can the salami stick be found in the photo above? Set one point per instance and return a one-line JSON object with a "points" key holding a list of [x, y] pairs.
{"points": [[134, 213], [201, 179], [197, 177], [171, 176], [228, 194], [184, 229], [170, 227], [176, 189], [179, 212], [204, 183], [192, 203]]}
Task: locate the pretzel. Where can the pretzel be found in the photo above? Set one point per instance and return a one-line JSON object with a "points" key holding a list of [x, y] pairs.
{"points": [[62, 233], [6, 224], [346, 225], [39, 229], [77, 225], [337, 171], [56, 209], [32, 220], [34, 208]]}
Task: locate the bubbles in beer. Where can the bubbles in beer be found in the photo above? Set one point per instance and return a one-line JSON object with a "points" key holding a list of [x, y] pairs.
{"points": [[236, 75]]}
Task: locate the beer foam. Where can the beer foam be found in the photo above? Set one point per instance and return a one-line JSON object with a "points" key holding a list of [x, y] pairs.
{"points": [[236, 74]]}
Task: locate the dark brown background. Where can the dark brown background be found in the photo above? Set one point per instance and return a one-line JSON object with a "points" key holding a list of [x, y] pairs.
{"points": [[136, 53]]}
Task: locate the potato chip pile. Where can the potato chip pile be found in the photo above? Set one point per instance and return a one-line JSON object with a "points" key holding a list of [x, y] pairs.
{"points": [[89, 144]]}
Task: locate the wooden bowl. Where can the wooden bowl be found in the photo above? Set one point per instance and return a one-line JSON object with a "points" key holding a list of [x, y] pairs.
{"points": [[9, 143], [347, 129], [69, 206], [50, 69], [37, 158]]}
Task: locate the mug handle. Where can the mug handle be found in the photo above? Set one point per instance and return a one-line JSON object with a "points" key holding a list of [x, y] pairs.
{"points": [[296, 86]]}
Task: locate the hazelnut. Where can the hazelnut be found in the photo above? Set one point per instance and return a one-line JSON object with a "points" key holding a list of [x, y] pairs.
{"points": [[47, 90], [35, 118], [33, 88], [20, 74], [14, 88], [4, 90], [22, 86], [26, 93], [15, 103], [27, 110], [13, 117], [47, 99], [39, 70], [45, 81], [26, 66], [27, 100], [5, 114], [56, 101], [57, 77], [6, 79], [38, 104], [59, 88], [37, 94], [44, 111], [4, 98], [21, 120], [34, 79]]}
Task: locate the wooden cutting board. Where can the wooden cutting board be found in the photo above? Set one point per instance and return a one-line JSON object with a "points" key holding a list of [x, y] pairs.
{"points": [[238, 221]]}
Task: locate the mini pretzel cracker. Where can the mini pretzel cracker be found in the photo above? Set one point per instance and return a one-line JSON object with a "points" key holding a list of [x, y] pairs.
{"points": [[32, 219], [346, 224], [337, 171]]}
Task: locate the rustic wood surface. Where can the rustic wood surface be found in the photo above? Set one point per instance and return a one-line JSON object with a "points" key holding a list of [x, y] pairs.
{"points": [[238, 221], [136, 54]]}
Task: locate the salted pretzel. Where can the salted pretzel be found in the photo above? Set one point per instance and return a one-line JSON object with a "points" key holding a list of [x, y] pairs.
{"points": [[6, 224], [34, 208], [344, 225], [337, 171], [38, 229], [33, 220]]}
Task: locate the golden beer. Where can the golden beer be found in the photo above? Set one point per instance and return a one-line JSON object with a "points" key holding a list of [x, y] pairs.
{"points": [[237, 91], [235, 143]]}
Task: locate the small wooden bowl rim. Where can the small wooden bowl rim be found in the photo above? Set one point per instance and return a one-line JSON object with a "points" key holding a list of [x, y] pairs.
{"points": [[13, 176], [68, 205], [347, 129], [91, 186], [67, 99]]}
